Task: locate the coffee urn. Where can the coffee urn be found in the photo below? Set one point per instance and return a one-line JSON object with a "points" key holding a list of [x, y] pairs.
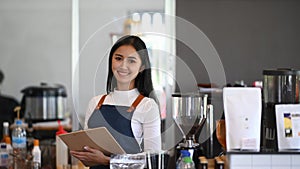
{"points": [[280, 86], [44, 103]]}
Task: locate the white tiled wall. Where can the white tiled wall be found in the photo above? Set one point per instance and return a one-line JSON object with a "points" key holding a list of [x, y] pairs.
{"points": [[264, 161]]}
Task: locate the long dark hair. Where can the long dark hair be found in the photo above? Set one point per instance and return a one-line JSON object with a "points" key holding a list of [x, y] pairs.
{"points": [[143, 81]]}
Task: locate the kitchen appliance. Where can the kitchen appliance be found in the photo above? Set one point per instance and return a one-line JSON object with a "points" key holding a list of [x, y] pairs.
{"points": [[157, 160], [44, 102], [280, 86], [211, 146], [189, 113]]}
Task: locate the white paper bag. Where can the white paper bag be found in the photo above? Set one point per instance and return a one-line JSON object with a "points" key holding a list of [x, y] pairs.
{"points": [[288, 126], [242, 108]]}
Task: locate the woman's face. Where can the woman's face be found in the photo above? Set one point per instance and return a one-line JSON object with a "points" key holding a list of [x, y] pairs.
{"points": [[126, 64]]}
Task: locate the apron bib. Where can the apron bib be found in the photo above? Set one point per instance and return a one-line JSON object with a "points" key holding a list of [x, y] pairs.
{"points": [[117, 120]]}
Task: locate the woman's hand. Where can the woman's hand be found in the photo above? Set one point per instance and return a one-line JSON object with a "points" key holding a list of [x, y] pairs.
{"points": [[91, 157]]}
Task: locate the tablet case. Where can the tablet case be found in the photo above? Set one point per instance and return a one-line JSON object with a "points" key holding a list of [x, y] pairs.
{"points": [[99, 138]]}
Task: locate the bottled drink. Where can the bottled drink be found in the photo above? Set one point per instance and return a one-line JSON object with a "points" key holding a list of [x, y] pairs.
{"points": [[62, 153], [19, 140], [183, 153], [5, 131], [36, 153], [3, 156], [9, 151], [187, 163]]}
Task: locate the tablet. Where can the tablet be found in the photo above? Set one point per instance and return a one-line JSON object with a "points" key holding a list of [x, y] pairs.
{"points": [[99, 138]]}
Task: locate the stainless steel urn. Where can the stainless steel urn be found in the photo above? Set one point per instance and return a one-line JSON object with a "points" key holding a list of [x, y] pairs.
{"points": [[44, 102]]}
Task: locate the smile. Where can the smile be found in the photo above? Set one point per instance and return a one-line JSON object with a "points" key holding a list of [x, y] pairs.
{"points": [[121, 73]]}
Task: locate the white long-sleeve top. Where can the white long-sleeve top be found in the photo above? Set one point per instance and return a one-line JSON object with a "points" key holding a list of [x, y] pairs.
{"points": [[145, 122]]}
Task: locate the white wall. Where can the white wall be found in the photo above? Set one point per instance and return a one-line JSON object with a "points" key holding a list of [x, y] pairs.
{"points": [[35, 43]]}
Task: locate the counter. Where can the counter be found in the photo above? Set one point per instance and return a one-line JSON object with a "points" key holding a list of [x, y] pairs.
{"points": [[259, 160], [263, 160]]}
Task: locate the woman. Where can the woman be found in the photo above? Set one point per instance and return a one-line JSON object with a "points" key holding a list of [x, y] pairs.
{"points": [[129, 110]]}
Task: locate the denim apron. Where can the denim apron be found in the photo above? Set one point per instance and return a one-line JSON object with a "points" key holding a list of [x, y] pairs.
{"points": [[117, 120]]}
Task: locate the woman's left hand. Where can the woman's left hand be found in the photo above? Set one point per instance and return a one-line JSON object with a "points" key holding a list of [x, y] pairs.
{"points": [[91, 157]]}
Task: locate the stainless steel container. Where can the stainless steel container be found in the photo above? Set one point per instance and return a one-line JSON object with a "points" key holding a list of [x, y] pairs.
{"points": [[44, 102]]}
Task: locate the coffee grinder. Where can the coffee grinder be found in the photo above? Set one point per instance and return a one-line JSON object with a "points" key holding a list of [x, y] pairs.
{"points": [[280, 86], [189, 113]]}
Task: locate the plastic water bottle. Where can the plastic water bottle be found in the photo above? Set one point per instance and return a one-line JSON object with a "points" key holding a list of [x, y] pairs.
{"points": [[19, 139], [37, 155], [187, 163], [3, 156], [9, 151], [183, 153]]}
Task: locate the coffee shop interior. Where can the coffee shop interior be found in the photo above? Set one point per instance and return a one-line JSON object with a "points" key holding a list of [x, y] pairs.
{"points": [[214, 63]]}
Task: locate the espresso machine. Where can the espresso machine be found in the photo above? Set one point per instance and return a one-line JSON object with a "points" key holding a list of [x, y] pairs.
{"points": [[190, 113], [280, 86]]}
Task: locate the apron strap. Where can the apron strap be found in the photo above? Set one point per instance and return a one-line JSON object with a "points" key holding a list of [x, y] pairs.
{"points": [[101, 102], [130, 109], [135, 103]]}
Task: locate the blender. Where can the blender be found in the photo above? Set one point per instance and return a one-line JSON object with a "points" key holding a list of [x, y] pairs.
{"points": [[189, 113]]}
